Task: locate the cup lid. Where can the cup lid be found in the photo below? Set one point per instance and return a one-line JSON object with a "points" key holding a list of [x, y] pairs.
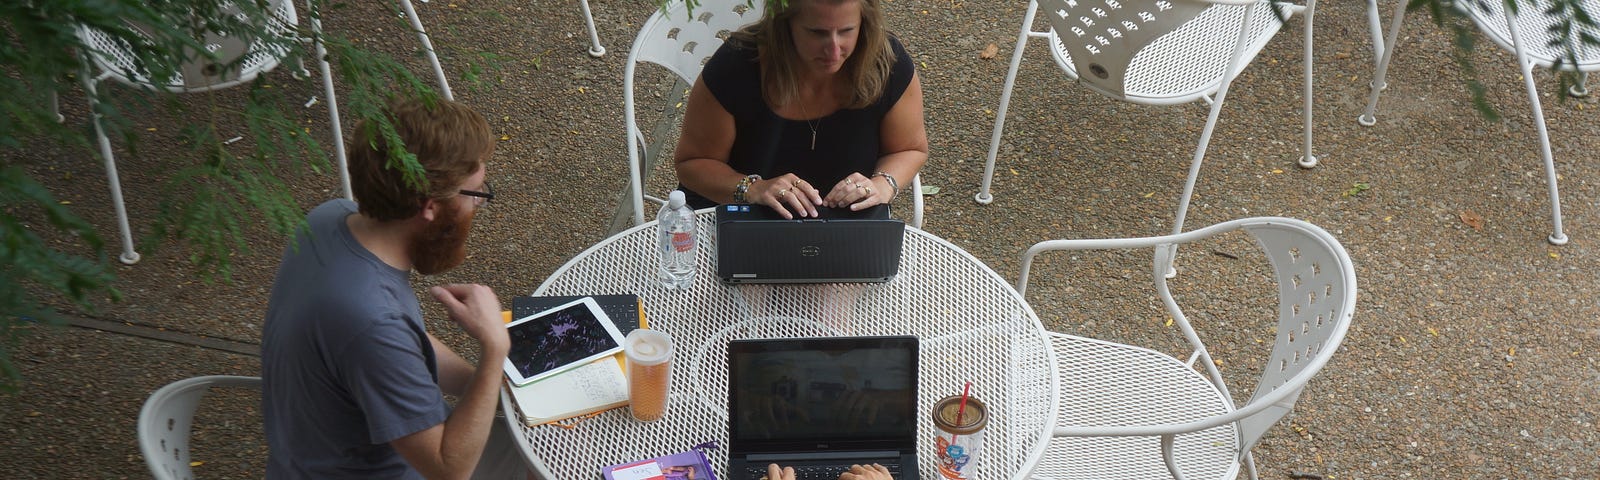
{"points": [[973, 418]]}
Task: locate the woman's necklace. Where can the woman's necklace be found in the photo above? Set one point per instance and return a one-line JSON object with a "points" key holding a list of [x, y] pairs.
{"points": [[812, 124]]}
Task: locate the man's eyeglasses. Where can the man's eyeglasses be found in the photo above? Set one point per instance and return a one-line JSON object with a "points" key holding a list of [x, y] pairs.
{"points": [[480, 198]]}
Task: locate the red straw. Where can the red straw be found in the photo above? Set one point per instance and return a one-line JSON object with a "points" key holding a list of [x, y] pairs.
{"points": [[961, 409]]}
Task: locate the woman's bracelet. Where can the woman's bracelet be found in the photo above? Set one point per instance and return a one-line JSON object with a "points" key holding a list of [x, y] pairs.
{"points": [[744, 187], [894, 187]]}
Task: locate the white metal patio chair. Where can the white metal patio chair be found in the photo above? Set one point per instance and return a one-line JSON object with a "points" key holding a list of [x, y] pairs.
{"points": [[1155, 52], [167, 416], [1532, 39], [673, 39], [1175, 418], [113, 60]]}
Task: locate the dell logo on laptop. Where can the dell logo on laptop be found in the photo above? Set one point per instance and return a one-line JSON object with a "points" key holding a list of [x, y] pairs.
{"points": [[810, 251]]}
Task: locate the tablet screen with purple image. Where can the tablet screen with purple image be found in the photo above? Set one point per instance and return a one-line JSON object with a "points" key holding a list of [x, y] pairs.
{"points": [[559, 339]]}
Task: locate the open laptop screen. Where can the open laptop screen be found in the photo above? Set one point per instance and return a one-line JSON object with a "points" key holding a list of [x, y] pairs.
{"points": [[832, 393]]}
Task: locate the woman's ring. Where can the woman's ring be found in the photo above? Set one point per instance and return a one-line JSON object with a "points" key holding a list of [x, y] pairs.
{"points": [[783, 192], [795, 183], [869, 190]]}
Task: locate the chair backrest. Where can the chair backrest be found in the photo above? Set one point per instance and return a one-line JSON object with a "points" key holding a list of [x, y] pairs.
{"points": [[1316, 302], [165, 421], [1103, 36], [238, 59], [1316, 298], [682, 42]]}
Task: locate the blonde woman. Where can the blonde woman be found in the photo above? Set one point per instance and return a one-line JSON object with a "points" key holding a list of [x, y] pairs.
{"points": [[815, 105]]}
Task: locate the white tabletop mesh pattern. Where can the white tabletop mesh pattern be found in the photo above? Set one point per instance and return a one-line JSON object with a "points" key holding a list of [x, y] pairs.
{"points": [[973, 326], [1182, 65]]}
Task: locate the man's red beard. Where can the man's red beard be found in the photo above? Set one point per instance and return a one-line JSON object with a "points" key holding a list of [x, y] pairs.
{"points": [[442, 245]]}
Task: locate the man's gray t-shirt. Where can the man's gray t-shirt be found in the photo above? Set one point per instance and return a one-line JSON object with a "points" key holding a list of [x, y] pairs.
{"points": [[346, 363]]}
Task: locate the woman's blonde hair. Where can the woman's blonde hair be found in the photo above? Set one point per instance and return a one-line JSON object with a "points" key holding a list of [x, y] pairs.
{"points": [[867, 69]]}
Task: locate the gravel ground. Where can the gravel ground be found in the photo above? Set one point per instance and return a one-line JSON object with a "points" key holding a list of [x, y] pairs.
{"points": [[1472, 354]]}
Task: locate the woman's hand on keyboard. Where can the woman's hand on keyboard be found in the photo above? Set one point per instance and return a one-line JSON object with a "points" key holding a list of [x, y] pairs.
{"points": [[856, 472], [866, 472]]}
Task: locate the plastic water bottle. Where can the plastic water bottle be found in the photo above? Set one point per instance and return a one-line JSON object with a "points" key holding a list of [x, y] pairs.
{"points": [[675, 224]]}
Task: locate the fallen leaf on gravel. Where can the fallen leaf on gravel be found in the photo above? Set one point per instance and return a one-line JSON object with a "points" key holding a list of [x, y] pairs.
{"points": [[1433, 332], [1356, 189], [199, 463], [930, 190], [989, 52], [1341, 55], [1555, 255], [1472, 219]]}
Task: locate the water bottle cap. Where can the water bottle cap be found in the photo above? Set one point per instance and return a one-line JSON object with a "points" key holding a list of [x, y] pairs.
{"points": [[675, 199]]}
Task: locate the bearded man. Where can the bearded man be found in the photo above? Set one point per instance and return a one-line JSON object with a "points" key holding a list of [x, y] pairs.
{"points": [[353, 383]]}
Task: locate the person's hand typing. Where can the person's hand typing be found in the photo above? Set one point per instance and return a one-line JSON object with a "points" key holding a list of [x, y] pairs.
{"points": [[856, 472], [856, 192], [787, 193]]}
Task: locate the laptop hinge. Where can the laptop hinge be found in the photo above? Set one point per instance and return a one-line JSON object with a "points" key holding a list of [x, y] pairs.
{"points": [[762, 457]]}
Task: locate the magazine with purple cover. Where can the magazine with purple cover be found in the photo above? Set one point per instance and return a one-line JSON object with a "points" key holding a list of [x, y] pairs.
{"points": [[689, 465]]}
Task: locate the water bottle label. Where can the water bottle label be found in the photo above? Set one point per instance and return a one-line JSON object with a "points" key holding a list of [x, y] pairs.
{"points": [[682, 241]]}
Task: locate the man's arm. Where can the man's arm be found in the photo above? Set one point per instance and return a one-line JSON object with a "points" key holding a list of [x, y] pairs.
{"points": [[455, 374], [451, 450]]}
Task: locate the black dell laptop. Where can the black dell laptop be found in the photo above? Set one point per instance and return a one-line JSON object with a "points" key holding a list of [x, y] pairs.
{"points": [[822, 404], [756, 245]]}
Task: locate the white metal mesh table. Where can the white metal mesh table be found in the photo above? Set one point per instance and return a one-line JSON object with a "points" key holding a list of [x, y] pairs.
{"points": [[973, 327]]}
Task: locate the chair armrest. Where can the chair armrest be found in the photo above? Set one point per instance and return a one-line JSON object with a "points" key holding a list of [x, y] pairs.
{"points": [[1087, 244], [1160, 429]]}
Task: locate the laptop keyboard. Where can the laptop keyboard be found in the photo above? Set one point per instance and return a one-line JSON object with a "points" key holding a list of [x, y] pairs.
{"points": [[816, 472]]}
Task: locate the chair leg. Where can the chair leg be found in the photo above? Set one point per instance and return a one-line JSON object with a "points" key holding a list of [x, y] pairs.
{"points": [[1250, 464], [1580, 89], [427, 48], [129, 256], [1235, 65], [1557, 237], [916, 200], [596, 50], [333, 104], [1375, 26], [983, 196], [55, 107], [1369, 115], [1308, 158]]}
